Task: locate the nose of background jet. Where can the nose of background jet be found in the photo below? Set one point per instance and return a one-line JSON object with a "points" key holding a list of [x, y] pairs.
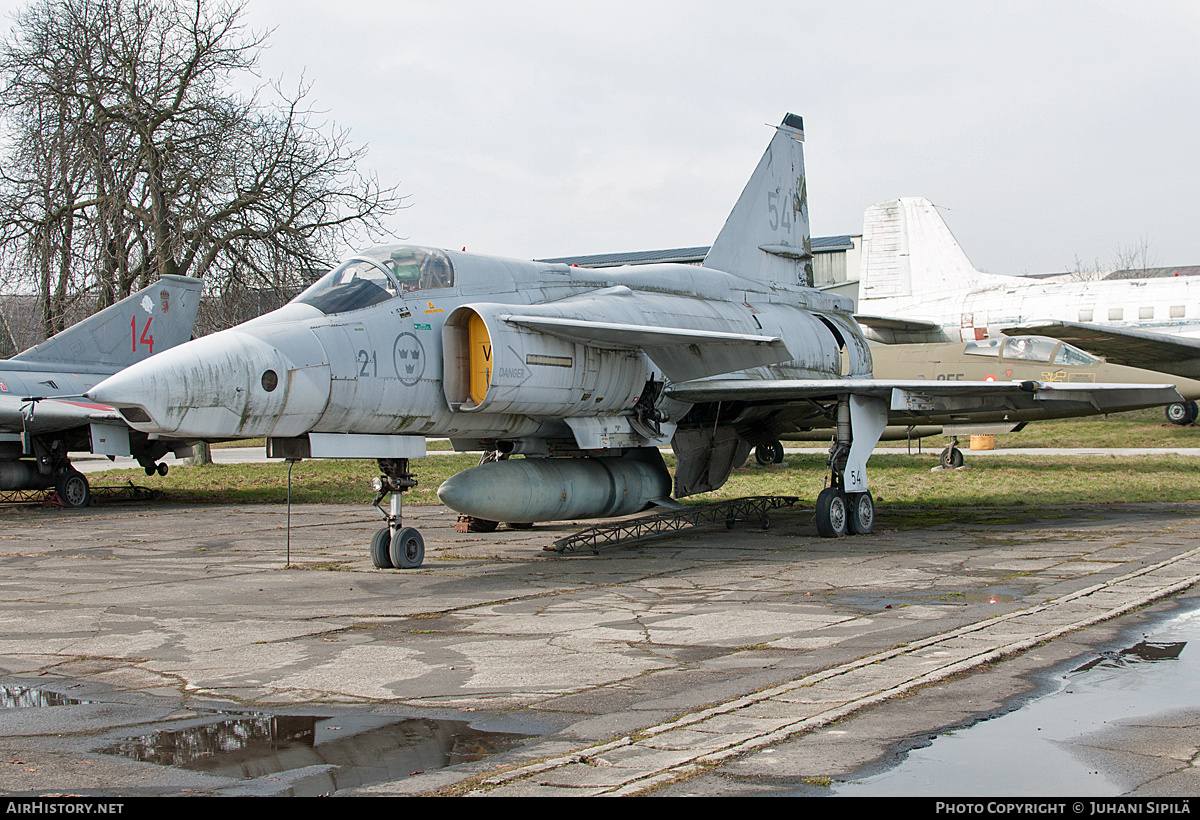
{"points": [[232, 384]]}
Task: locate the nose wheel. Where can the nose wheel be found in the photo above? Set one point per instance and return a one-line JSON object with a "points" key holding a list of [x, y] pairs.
{"points": [[395, 546]]}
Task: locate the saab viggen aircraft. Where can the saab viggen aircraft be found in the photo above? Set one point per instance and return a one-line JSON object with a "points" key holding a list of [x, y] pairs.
{"points": [[43, 415], [584, 373]]}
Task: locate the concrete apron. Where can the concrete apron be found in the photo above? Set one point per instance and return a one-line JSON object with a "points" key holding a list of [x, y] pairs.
{"points": [[640, 667]]}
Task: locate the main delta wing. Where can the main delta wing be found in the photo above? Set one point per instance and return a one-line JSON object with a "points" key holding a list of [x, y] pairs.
{"points": [[940, 402]]}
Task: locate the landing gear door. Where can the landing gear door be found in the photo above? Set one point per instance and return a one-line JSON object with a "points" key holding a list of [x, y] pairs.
{"points": [[110, 439]]}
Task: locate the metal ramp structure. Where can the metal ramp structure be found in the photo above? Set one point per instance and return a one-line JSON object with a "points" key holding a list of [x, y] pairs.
{"points": [[49, 498], [632, 530]]}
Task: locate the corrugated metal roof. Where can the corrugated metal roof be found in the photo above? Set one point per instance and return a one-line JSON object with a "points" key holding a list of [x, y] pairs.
{"points": [[687, 256]]}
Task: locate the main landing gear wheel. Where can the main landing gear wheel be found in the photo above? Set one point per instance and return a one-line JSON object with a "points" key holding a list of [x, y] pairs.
{"points": [[832, 514], [381, 546], [1182, 412], [769, 453], [407, 549], [952, 458], [861, 513], [72, 488]]}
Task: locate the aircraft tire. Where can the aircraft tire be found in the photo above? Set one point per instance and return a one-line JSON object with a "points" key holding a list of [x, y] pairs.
{"points": [[831, 513], [161, 468], [952, 458], [1181, 413], [778, 457], [149, 468], [861, 513], [770, 452], [407, 549], [72, 488], [381, 545]]}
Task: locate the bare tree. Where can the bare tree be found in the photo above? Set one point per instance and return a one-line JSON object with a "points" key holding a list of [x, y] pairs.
{"points": [[129, 153], [1083, 272], [1133, 261]]}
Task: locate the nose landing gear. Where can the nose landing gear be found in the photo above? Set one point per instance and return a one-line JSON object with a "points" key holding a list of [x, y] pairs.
{"points": [[396, 546]]}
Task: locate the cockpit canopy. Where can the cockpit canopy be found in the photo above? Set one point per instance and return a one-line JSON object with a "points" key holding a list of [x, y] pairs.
{"points": [[1031, 349], [377, 275]]}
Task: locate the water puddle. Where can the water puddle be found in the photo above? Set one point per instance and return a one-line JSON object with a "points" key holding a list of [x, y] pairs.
{"points": [[1041, 748], [867, 602], [316, 755], [26, 697]]}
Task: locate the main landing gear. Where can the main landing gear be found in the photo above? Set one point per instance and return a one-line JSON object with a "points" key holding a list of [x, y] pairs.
{"points": [[846, 505], [51, 463], [396, 546], [72, 488]]}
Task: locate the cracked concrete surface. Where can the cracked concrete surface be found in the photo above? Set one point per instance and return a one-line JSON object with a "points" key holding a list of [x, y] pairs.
{"points": [[714, 661]]}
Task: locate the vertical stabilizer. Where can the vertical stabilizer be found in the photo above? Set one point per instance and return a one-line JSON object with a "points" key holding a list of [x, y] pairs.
{"points": [[153, 319], [766, 236], [908, 250]]}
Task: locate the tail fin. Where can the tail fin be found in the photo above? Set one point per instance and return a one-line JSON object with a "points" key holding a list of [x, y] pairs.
{"points": [[153, 319], [908, 250], [766, 236]]}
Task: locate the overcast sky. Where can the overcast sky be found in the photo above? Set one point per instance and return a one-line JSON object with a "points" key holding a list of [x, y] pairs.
{"points": [[1044, 131]]}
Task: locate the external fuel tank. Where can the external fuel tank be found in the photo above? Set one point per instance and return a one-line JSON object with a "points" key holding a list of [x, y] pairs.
{"points": [[553, 489]]}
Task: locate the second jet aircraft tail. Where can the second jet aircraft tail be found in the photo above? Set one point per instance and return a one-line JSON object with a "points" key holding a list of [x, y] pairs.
{"points": [[766, 236], [153, 319]]}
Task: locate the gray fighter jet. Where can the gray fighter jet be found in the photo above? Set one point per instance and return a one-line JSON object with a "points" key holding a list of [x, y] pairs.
{"points": [[43, 415], [584, 373]]}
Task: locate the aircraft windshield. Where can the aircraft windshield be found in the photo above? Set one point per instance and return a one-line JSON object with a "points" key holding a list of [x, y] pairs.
{"points": [[1069, 355], [378, 275]]}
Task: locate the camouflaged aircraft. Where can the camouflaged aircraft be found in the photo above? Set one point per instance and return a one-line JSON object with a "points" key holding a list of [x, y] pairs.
{"points": [[584, 373], [1002, 358]]}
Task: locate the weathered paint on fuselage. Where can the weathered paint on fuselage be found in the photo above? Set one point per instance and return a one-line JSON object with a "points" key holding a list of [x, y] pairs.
{"points": [[380, 369]]}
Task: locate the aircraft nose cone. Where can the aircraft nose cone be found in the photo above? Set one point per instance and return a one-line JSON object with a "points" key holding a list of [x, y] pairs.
{"points": [[231, 384]]}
